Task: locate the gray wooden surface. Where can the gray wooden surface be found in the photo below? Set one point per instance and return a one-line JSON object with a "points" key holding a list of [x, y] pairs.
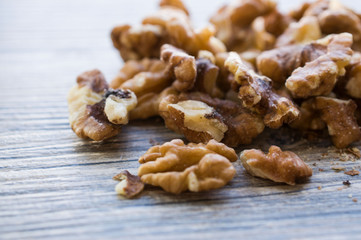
{"points": [[54, 185]]}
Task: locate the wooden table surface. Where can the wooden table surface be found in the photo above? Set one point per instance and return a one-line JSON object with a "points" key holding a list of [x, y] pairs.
{"points": [[55, 185]]}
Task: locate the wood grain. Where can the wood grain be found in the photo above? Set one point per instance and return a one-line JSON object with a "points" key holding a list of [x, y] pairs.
{"points": [[54, 185]]}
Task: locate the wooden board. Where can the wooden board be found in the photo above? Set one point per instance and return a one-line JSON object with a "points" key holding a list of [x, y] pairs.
{"points": [[55, 185]]}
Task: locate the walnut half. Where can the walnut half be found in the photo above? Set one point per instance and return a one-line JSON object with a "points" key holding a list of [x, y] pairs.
{"points": [[177, 167], [277, 165]]}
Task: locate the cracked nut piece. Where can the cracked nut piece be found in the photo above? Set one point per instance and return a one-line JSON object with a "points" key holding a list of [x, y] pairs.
{"points": [[277, 165], [177, 167], [257, 94], [353, 76], [129, 186], [319, 76], [197, 121], [304, 31], [243, 126], [279, 63], [182, 65], [206, 80], [135, 43], [86, 107], [118, 104], [340, 119], [309, 117]]}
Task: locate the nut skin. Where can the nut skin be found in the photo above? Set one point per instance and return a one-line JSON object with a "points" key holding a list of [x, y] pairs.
{"points": [[129, 186], [318, 77], [257, 95], [277, 165], [340, 119], [177, 167]]}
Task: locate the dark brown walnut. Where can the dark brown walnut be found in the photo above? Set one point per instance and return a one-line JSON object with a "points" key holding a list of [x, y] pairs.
{"points": [[148, 104], [257, 94], [197, 121], [318, 77], [277, 165], [279, 63], [182, 66], [243, 126], [304, 31], [135, 43], [133, 67], [309, 117], [340, 119], [129, 186], [177, 167], [94, 109], [179, 31]]}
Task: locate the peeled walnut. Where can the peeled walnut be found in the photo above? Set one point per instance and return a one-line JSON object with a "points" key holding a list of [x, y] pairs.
{"points": [[175, 3], [148, 104], [309, 117], [257, 94], [279, 63], [182, 65], [340, 119], [92, 106], [177, 167], [353, 76], [197, 121], [135, 43], [304, 31], [243, 126], [277, 165], [129, 186], [319, 76]]}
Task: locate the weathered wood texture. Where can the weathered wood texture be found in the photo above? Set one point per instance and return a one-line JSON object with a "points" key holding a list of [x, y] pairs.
{"points": [[54, 185]]}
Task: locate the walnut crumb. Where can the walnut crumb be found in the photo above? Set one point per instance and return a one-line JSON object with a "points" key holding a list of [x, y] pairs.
{"points": [[129, 186], [319, 187], [347, 183], [352, 172], [338, 168], [354, 151], [354, 199]]}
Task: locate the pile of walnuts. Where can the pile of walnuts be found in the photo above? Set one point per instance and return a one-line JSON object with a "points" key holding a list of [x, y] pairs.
{"points": [[220, 86]]}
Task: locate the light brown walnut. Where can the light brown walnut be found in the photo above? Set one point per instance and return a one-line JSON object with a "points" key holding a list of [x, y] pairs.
{"points": [[302, 32], [177, 167], [135, 43], [243, 125], [277, 165], [181, 65], [340, 119], [279, 63], [175, 3], [93, 107], [353, 76], [197, 121], [318, 77], [256, 94], [129, 185]]}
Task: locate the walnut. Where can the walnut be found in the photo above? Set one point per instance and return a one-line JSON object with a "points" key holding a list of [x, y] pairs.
{"points": [[196, 120], [129, 185], [319, 76], [304, 31], [175, 3], [180, 32], [353, 76], [182, 65], [177, 167], [298, 12], [277, 165], [92, 107], [310, 118], [135, 43], [148, 104], [341, 122], [257, 94], [279, 63], [154, 77], [243, 126]]}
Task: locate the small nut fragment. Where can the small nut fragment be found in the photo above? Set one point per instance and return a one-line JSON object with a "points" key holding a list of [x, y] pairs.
{"points": [[352, 172], [177, 167], [277, 165], [118, 104], [257, 94], [86, 107], [319, 76], [129, 186], [182, 65], [341, 122], [195, 119]]}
